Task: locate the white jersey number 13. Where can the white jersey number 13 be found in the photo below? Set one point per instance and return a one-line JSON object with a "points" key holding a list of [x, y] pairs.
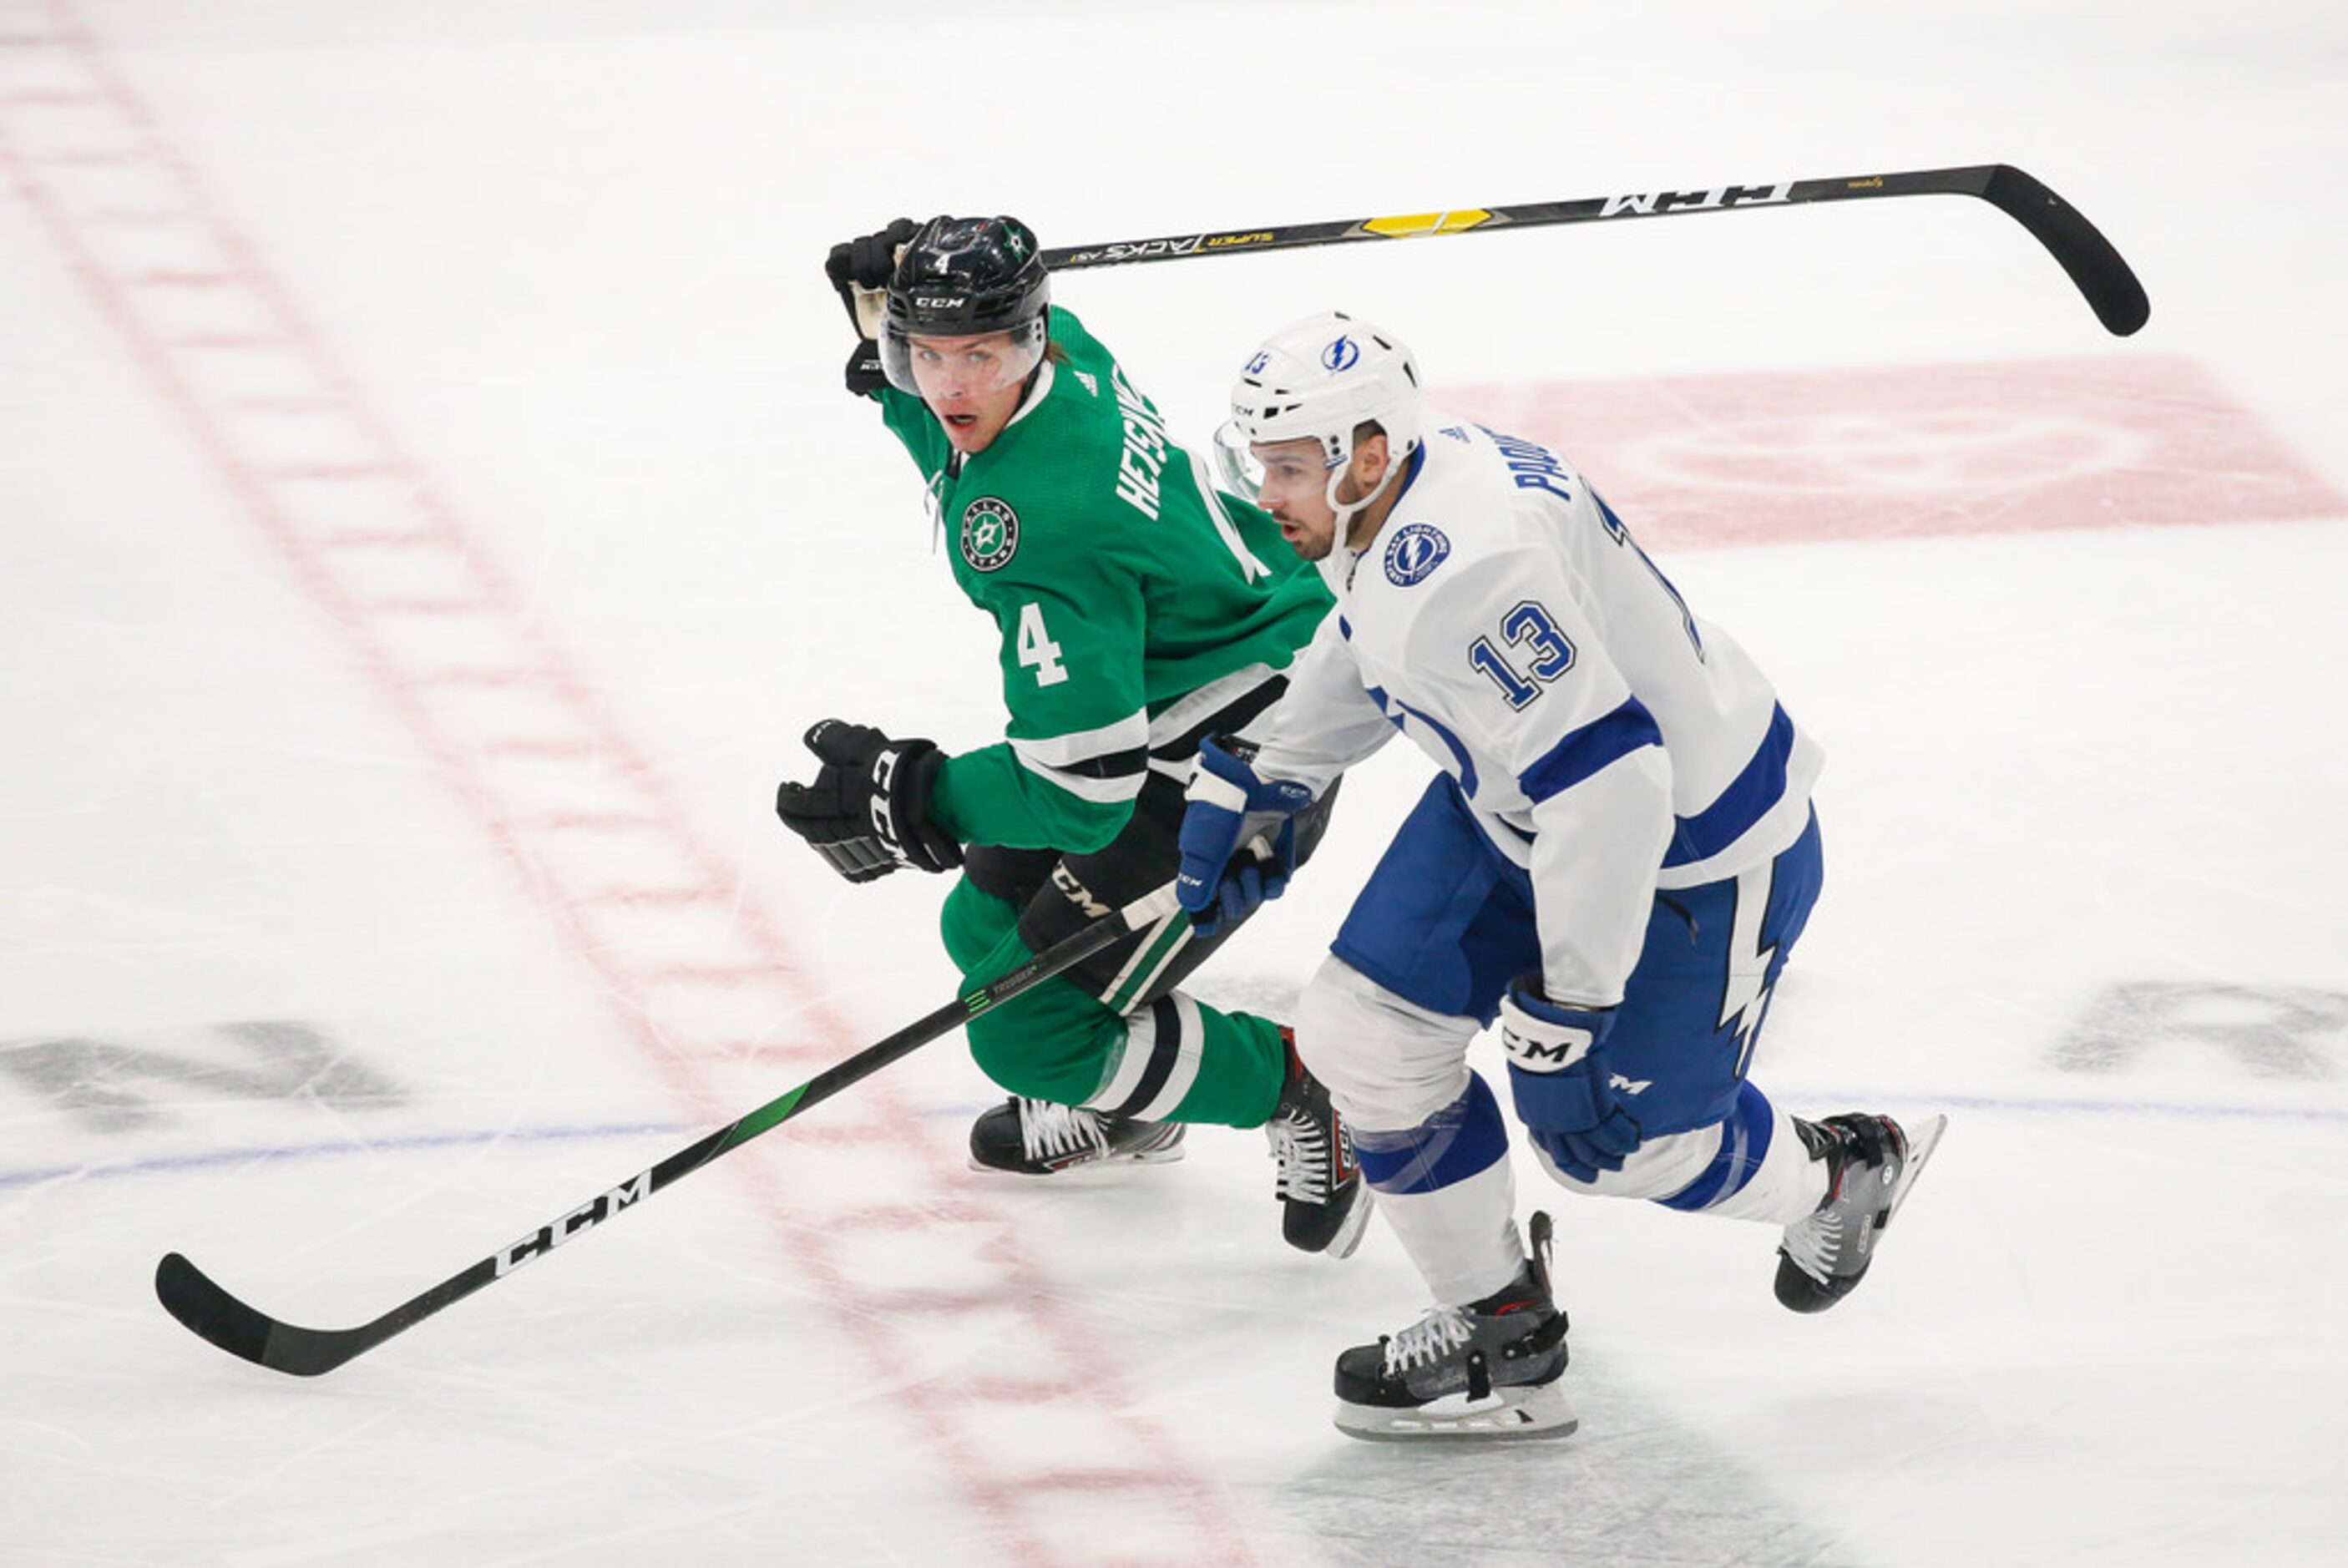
{"points": [[1530, 628]]}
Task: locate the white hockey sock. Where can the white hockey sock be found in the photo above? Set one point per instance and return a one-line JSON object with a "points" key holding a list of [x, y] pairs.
{"points": [[1789, 1185], [1463, 1237], [1713, 1170]]}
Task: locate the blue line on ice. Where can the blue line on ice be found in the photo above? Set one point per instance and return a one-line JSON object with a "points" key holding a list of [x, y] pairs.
{"points": [[2016, 1105], [2033, 1105], [166, 1164]]}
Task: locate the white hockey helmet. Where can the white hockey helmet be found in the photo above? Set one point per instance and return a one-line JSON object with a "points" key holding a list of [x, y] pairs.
{"points": [[1319, 379]]}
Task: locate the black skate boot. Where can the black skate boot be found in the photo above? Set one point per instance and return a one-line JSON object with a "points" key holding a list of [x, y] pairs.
{"points": [[1872, 1163], [1324, 1203], [1491, 1369], [1039, 1138]]}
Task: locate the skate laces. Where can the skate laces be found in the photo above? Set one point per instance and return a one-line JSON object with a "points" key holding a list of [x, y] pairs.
{"points": [[1818, 1242], [1815, 1244], [1429, 1340], [1047, 1128], [1300, 1144]]}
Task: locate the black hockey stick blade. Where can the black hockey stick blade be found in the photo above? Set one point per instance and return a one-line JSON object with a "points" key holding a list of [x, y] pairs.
{"points": [[2095, 266], [207, 1310], [189, 1295]]}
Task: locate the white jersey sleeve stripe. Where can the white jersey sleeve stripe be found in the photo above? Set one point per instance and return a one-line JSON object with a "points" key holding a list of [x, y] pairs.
{"points": [[1436, 726], [1100, 790], [1750, 797], [1104, 766], [1130, 733], [1585, 751]]}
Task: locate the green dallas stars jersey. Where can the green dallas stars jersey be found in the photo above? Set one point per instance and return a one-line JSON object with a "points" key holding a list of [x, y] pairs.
{"points": [[1134, 601]]}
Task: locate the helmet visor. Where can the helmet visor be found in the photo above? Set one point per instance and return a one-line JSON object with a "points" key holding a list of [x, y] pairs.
{"points": [[1237, 470], [977, 366]]}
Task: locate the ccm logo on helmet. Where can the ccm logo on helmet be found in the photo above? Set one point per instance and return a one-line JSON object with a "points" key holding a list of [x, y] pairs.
{"points": [[939, 302]]}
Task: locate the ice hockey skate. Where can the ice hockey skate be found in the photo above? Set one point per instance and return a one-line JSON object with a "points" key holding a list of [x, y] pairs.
{"points": [[1491, 1370], [1039, 1138], [1324, 1203], [1872, 1164]]}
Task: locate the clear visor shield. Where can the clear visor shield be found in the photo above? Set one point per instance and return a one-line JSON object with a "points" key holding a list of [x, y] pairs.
{"points": [[1290, 467], [938, 368], [1237, 470]]}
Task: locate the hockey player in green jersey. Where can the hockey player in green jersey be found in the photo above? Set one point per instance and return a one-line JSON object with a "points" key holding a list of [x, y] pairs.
{"points": [[1140, 612]]}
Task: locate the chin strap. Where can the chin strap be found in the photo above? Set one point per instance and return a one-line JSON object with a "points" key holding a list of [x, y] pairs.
{"points": [[1345, 512]]}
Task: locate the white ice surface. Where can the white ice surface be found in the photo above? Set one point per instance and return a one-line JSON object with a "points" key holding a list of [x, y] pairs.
{"points": [[286, 987]]}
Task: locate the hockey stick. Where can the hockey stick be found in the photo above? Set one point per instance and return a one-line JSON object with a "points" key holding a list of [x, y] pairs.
{"points": [[2098, 270], [187, 1295]]}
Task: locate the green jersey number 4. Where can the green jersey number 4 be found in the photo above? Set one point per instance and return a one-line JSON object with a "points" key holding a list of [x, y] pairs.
{"points": [[1036, 648]]}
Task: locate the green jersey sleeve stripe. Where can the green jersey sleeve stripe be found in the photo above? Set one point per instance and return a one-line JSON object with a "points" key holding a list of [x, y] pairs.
{"points": [[1125, 786], [1130, 733]]}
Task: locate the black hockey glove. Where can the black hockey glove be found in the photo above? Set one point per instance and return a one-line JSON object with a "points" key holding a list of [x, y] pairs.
{"points": [[866, 262], [864, 375], [868, 811]]}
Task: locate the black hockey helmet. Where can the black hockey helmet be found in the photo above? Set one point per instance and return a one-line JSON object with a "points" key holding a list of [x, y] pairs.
{"points": [[965, 277]]}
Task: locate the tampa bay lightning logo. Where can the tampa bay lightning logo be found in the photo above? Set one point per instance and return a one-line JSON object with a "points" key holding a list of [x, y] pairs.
{"points": [[1342, 354], [1414, 552]]}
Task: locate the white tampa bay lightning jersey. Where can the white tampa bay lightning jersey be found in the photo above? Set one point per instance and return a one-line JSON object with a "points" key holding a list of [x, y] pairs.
{"points": [[1608, 739]]}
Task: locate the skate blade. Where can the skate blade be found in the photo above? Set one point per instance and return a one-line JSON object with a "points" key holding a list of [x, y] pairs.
{"points": [[1165, 1156], [1349, 1235], [1509, 1415], [1921, 1141]]}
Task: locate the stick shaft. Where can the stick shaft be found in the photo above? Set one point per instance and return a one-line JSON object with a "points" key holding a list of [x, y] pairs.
{"points": [[2096, 267], [210, 1311]]}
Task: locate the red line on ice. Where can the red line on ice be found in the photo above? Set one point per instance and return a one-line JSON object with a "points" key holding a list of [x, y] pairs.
{"points": [[993, 1486]]}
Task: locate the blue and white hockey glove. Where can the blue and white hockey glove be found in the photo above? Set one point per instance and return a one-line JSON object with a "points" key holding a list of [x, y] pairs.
{"points": [[1563, 1085], [1230, 808]]}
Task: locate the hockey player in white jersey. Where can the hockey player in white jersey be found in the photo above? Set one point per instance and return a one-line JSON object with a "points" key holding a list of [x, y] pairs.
{"points": [[1614, 859]]}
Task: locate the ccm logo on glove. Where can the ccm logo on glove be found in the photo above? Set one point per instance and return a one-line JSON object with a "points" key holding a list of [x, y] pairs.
{"points": [[1559, 1048], [867, 810]]}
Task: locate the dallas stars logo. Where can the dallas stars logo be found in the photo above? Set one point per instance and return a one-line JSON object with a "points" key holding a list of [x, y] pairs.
{"points": [[990, 533]]}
